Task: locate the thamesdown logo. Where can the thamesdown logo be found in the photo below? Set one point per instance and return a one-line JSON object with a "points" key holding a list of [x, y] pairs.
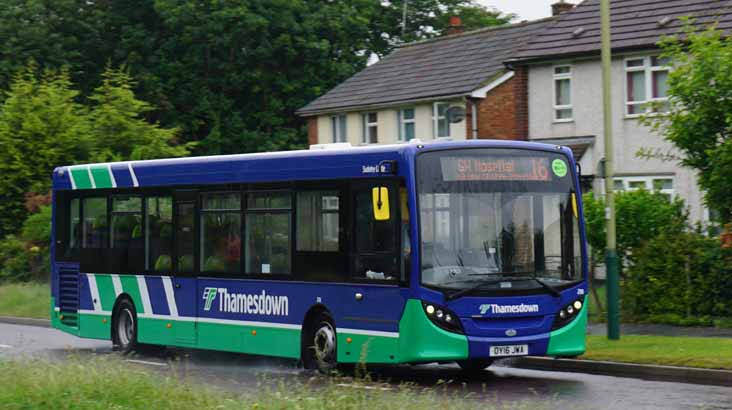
{"points": [[249, 304], [209, 294], [522, 308]]}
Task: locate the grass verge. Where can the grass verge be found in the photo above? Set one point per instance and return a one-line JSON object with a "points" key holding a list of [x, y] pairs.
{"points": [[30, 299], [708, 353], [107, 383]]}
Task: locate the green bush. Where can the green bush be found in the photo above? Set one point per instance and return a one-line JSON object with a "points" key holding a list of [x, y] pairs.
{"points": [[14, 260], [682, 278], [27, 257]]}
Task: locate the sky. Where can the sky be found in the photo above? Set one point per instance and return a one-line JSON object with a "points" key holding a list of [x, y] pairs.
{"points": [[525, 9]]}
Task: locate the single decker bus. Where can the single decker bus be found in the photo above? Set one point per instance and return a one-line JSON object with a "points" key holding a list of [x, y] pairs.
{"points": [[421, 252]]}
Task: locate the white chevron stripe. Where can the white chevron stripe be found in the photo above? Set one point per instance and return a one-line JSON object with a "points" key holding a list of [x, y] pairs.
{"points": [[71, 177], [91, 177], [94, 293], [117, 286], [144, 295], [132, 174], [170, 296], [111, 176]]}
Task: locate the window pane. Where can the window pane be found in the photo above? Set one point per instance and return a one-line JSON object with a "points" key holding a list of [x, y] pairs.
{"points": [[563, 92], [126, 231], [634, 185], [441, 109], [342, 128], [660, 84], [372, 117], [636, 109], [564, 114], [95, 223], [657, 61], [268, 200], [373, 135], [159, 234], [663, 184], [637, 86], [635, 63], [184, 236], [408, 114], [443, 128], [268, 243], [318, 221], [220, 242], [127, 204], [562, 70], [409, 130], [334, 128], [375, 242], [74, 224], [618, 185], [223, 201]]}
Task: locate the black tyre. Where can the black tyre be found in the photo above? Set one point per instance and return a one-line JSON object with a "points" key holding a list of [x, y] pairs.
{"points": [[475, 365], [124, 327], [321, 345]]}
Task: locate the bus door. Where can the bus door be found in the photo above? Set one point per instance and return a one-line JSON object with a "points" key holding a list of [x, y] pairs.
{"points": [[376, 302], [184, 280]]}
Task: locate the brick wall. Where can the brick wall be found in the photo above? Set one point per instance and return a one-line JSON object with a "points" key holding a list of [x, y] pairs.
{"points": [[504, 113], [312, 130]]}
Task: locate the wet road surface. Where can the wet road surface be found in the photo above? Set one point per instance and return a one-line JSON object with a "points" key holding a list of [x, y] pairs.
{"points": [[504, 384]]}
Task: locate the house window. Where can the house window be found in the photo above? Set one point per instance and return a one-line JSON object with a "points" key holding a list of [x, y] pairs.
{"points": [[338, 125], [664, 185], [405, 119], [440, 124], [563, 93], [370, 127], [646, 81]]}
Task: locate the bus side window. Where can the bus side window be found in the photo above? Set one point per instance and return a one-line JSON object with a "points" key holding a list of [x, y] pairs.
{"points": [[126, 237], [94, 224], [267, 231], [319, 254], [159, 234], [376, 256]]}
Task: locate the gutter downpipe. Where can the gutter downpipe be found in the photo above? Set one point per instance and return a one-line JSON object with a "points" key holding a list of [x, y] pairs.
{"points": [[474, 119]]}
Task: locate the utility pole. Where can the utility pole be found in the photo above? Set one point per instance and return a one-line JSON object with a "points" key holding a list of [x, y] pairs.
{"points": [[404, 18], [611, 254]]}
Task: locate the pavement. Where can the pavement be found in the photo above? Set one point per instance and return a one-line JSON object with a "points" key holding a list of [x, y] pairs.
{"points": [[600, 329], [499, 386]]}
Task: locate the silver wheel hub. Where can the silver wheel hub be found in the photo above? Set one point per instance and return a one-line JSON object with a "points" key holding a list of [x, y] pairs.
{"points": [[125, 327], [325, 344]]}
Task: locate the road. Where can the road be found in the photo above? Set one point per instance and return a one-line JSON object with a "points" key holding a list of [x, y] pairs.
{"points": [[505, 384]]}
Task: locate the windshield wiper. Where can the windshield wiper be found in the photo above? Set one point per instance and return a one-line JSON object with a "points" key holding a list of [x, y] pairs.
{"points": [[462, 292]]}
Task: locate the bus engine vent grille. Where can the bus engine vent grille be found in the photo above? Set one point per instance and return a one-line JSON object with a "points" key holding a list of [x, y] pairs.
{"points": [[69, 297]]}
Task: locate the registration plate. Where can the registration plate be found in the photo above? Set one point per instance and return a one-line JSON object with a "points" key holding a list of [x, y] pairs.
{"points": [[511, 350]]}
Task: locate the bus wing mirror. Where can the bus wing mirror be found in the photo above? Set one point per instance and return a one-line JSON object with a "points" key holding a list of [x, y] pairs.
{"points": [[380, 198]]}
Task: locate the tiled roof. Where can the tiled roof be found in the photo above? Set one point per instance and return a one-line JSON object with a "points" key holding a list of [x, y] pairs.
{"points": [[635, 24], [445, 66]]}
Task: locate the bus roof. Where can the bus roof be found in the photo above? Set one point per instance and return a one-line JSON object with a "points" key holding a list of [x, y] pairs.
{"points": [[328, 163]]}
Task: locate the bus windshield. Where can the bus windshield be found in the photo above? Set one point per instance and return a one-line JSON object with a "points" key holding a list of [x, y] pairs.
{"points": [[498, 219]]}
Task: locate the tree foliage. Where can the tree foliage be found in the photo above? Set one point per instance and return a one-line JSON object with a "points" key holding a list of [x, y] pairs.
{"points": [[699, 122]]}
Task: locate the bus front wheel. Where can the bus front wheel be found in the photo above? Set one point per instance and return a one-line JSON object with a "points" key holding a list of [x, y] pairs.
{"points": [[124, 327], [321, 350]]}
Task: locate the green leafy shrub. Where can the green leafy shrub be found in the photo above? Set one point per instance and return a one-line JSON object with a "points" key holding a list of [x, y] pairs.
{"points": [[682, 278]]}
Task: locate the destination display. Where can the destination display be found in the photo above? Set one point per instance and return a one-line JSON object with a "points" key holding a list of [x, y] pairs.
{"points": [[498, 169]]}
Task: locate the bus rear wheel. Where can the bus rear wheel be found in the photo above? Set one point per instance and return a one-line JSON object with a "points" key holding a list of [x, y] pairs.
{"points": [[475, 365], [321, 348], [124, 327]]}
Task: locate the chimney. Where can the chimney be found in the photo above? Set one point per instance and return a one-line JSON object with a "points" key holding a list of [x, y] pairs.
{"points": [[455, 26], [560, 7]]}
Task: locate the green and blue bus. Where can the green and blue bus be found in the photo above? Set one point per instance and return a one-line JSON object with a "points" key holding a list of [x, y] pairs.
{"points": [[413, 253]]}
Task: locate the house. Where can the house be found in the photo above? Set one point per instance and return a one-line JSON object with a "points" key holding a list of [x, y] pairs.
{"points": [[565, 93], [451, 87]]}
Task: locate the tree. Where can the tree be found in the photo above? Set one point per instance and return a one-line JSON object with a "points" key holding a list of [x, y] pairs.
{"points": [[41, 127], [699, 120], [117, 129]]}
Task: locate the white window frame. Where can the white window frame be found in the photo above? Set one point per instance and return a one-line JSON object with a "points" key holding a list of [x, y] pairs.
{"points": [[366, 125], [437, 118], [648, 69], [556, 77], [402, 123], [338, 133]]}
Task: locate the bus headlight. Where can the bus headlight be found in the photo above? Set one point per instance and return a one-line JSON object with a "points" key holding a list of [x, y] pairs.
{"points": [[567, 313], [443, 318]]}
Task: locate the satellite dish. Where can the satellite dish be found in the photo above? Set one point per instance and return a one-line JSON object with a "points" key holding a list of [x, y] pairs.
{"points": [[455, 114]]}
